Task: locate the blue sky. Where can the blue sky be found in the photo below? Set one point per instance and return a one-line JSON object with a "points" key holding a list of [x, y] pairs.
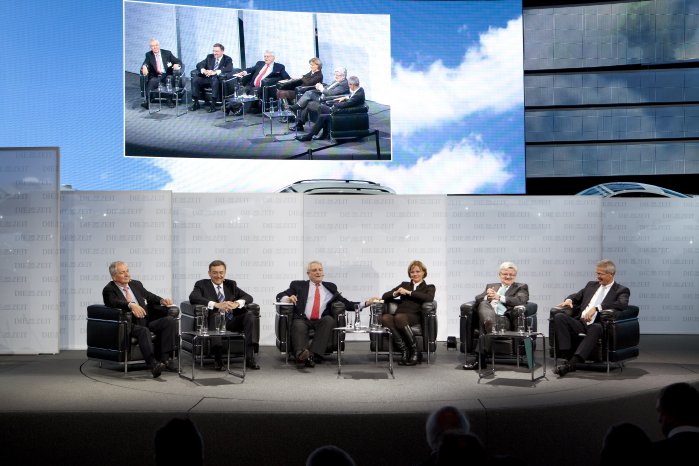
{"points": [[457, 117]]}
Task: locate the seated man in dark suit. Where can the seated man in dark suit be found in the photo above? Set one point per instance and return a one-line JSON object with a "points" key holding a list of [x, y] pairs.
{"points": [[338, 87], [321, 111], [498, 302], [221, 295], [130, 295], [210, 69], [602, 294], [313, 300], [678, 415], [253, 76], [157, 66]]}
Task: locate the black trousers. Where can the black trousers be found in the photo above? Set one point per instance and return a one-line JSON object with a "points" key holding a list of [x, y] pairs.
{"points": [[200, 82], [568, 335], [242, 322], [165, 330], [323, 327]]}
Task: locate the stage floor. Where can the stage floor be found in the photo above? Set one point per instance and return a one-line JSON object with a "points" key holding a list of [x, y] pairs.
{"points": [[365, 404]]}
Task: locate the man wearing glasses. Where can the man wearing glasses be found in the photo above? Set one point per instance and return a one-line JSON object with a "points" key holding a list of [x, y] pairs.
{"points": [[498, 302], [584, 319]]}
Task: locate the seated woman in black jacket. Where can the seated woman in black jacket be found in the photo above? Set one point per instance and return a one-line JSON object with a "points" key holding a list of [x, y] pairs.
{"points": [[286, 89], [410, 296]]}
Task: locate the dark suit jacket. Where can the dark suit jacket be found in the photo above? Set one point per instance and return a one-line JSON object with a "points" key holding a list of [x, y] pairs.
{"points": [[113, 297], [278, 71], [341, 88], [204, 291], [675, 449], [299, 288], [516, 295], [617, 298], [166, 56], [411, 304], [356, 100], [226, 64]]}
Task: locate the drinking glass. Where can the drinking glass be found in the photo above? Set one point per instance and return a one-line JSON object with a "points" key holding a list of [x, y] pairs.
{"points": [[199, 320], [220, 321], [530, 324]]}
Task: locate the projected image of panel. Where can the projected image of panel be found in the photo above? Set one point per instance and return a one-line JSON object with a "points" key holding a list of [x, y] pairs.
{"points": [[442, 80], [253, 84]]}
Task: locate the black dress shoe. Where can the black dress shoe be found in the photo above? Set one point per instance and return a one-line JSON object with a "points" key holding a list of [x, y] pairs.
{"points": [[156, 369], [318, 359], [305, 137], [321, 135], [475, 365], [144, 105], [218, 365], [195, 106], [251, 363], [169, 366], [212, 109], [171, 103], [303, 355], [309, 363], [563, 369]]}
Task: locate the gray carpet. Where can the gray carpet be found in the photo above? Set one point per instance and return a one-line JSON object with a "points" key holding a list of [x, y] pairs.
{"points": [[69, 409]]}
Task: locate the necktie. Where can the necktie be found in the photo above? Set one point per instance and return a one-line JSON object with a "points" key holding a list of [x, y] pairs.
{"points": [[221, 298], [157, 63], [216, 64], [129, 296], [500, 307], [315, 312], [259, 77]]}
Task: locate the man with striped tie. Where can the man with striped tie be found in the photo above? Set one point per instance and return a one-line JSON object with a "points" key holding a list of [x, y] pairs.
{"points": [[209, 74], [221, 295]]}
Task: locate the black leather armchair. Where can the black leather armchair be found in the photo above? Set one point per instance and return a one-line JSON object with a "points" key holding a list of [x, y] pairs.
{"points": [[621, 334], [179, 82], [109, 334], [189, 315], [282, 328], [425, 331], [471, 328], [350, 122]]}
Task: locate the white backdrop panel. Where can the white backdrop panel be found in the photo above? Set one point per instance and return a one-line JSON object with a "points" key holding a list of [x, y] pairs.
{"points": [[258, 236], [362, 44], [289, 35], [655, 245], [367, 242], [99, 227], [143, 21], [554, 241], [29, 251], [201, 28]]}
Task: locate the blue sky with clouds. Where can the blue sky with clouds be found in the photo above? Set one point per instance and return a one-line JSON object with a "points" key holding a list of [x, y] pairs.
{"points": [[456, 118]]}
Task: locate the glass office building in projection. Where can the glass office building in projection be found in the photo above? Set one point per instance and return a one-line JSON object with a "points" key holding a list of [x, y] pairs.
{"points": [[611, 93]]}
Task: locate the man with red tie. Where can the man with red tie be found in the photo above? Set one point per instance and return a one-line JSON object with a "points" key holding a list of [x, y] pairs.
{"points": [[146, 316], [157, 66], [253, 77], [313, 300]]}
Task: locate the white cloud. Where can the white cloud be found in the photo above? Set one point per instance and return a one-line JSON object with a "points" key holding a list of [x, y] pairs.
{"points": [[489, 78], [460, 167]]}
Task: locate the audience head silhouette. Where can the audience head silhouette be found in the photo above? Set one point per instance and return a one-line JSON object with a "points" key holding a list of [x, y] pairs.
{"points": [[624, 443], [329, 455], [678, 405], [459, 448], [443, 420], [179, 442]]}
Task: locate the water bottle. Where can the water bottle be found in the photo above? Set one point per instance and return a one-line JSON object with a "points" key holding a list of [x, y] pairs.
{"points": [[168, 83], [521, 320]]}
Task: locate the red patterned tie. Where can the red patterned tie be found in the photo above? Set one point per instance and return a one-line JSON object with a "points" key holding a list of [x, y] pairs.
{"points": [[259, 77], [315, 312]]}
